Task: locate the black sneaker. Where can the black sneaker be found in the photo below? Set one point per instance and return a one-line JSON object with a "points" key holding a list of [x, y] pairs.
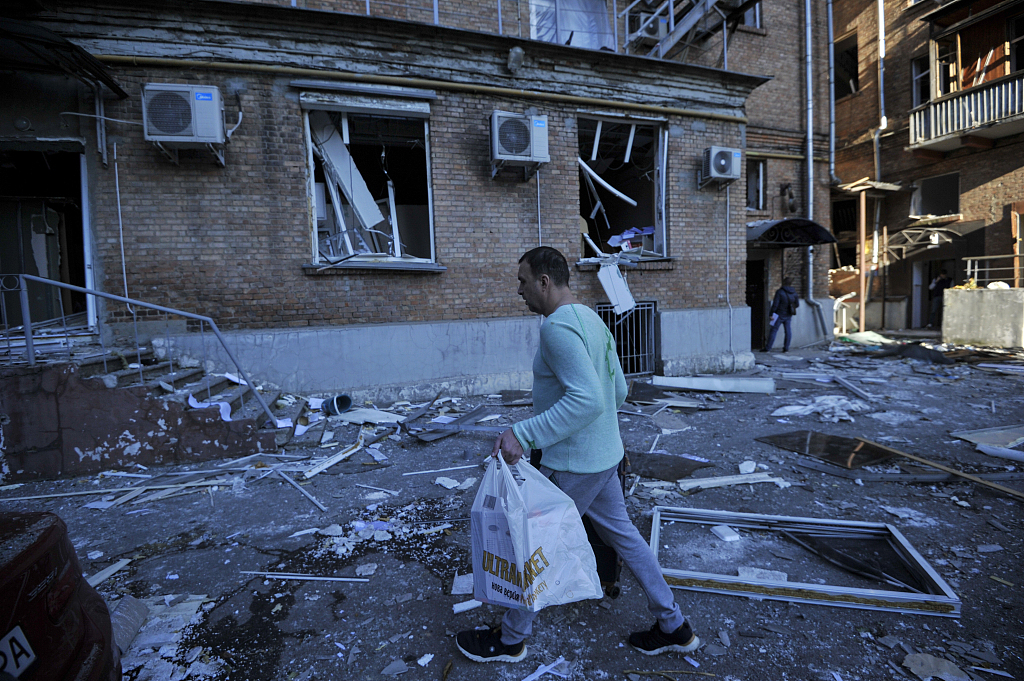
{"points": [[484, 645], [656, 642]]}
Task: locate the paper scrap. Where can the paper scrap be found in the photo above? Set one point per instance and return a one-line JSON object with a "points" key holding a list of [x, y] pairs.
{"points": [[225, 408], [462, 585]]}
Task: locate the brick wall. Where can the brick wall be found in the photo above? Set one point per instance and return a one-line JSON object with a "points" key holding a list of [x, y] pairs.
{"points": [[230, 242], [990, 179]]}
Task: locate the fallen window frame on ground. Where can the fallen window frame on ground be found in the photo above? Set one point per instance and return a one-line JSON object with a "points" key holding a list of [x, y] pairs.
{"points": [[942, 603], [733, 384]]}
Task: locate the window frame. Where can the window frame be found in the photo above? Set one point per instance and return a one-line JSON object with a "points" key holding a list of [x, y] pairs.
{"points": [[916, 76], [758, 15], [917, 198], [394, 103], [660, 176], [856, 64], [762, 178], [1015, 43]]}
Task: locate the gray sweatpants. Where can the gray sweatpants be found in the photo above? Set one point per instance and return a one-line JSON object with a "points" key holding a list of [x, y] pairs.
{"points": [[599, 496]]}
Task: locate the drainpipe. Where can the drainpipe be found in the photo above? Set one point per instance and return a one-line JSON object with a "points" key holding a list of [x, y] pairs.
{"points": [[831, 98], [809, 85]]}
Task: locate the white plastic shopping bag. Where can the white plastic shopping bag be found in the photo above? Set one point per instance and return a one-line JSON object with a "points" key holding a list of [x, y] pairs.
{"points": [[530, 549]]}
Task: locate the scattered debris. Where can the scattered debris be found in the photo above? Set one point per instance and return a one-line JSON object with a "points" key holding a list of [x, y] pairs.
{"points": [[725, 533], [395, 668], [1000, 436], [894, 418], [928, 666], [105, 574], [726, 480], [294, 576], [935, 597], [847, 452], [832, 408], [466, 605], [735, 384], [760, 574]]}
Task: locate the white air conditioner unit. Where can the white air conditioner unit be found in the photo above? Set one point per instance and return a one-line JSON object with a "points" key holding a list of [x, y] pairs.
{"points": [[721, 163], [517, 139], [655, 30], [185, 115]]}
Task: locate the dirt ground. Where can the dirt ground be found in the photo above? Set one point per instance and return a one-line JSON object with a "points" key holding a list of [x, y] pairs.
{"points": [[249, 627]]}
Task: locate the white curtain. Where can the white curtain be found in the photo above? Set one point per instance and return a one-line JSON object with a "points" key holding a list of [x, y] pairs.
{"points": [[581, 23]]}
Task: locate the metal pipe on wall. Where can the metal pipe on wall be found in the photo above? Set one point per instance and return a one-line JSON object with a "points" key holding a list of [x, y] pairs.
{"points": [[809, 89], [831, 97]]}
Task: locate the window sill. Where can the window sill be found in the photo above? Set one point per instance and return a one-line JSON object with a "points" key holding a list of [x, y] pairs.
{"points": [[349, 265], [756, 30], [650, 264]]}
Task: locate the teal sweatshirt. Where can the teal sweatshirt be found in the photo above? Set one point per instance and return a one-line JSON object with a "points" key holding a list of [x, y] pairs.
{"points": [[578, 387]]}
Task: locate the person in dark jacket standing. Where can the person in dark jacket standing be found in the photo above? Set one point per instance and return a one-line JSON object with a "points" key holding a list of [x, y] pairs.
{"points": [[783, 308]]}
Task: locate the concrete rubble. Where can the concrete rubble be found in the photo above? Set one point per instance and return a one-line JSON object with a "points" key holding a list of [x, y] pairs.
{"points": [[244, 577]]}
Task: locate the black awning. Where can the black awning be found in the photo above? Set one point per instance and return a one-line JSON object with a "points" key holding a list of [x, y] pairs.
{"points": [[788, 233], [24, 46]]}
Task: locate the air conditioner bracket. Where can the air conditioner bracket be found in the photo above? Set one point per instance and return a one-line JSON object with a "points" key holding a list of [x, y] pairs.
{"points": [[705, 181], [529, 170], [171, 154]]}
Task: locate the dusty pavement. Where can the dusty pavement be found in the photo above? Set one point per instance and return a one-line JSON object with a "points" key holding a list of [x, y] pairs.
{"points": [[249, 627]]}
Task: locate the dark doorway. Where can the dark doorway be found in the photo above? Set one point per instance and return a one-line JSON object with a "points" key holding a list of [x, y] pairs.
{"points": [[756, 272], [41, 231]]}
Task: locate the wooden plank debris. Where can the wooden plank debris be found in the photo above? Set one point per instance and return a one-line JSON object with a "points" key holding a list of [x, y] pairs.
{"points": [[961, 474], [105, 573], [734, 384], [337, 458]]}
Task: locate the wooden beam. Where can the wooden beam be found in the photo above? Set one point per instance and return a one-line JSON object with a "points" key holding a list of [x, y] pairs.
{"points": [[953, 471], [928, 154], [976, 142]]}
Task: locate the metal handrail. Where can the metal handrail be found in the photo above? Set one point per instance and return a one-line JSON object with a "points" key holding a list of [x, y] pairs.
{"points": [[1016, 271], [27, 324]]}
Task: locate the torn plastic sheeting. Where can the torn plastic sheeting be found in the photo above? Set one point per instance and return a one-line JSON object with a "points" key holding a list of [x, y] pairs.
{"points": [[225, 408], [832, 408]]}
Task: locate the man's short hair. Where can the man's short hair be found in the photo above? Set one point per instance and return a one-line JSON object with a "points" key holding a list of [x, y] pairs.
{"points": [[549, 261], [786, 281]]}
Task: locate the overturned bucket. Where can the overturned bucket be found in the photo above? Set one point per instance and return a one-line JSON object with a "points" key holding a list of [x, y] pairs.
{"points": [[338, 404]]}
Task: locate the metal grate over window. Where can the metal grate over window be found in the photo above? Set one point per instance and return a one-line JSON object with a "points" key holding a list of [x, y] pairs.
{"points": [[634, 336]]}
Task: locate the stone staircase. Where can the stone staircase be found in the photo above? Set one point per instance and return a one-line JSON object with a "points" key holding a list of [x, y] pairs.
{"points": [[94, 409]]}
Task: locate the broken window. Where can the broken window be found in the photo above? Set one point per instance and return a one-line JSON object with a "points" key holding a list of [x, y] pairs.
{"points": [[755, 184], [938, 195], [1016, 36], [920, 75], [752, 16], [847, 67], [947, 80], [372, 187], [621, 185], [580, 23]]}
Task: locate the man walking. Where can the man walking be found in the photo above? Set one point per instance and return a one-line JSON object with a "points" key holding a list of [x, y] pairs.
{"points": [[578, 387], [784, 306]]}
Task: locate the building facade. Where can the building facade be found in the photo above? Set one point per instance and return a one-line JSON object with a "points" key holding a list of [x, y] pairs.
{"points": [[354, 227], [941, 116]]}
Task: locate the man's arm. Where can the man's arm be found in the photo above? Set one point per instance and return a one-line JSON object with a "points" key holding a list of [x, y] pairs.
{"points": [[565, 353]]}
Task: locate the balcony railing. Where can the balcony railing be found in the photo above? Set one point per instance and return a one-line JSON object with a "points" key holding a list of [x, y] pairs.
{"points": [[971, 109]]}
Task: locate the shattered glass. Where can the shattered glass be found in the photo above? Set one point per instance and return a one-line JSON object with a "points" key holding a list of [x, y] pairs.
{"points": [[841, 451]]}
